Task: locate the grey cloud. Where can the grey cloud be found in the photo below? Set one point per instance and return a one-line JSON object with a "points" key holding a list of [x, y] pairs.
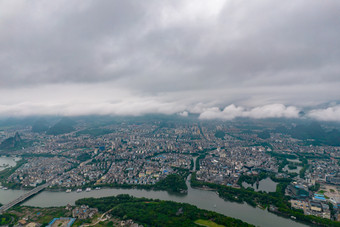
{"points": [[327, 114], [268, 111], [187, 55], [108, 99]]}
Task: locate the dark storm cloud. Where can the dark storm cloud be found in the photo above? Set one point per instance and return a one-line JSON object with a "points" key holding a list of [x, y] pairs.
{"points": [[80, 57]]}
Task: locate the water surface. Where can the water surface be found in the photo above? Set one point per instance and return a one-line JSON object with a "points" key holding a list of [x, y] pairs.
{"points": [[266, 185]]}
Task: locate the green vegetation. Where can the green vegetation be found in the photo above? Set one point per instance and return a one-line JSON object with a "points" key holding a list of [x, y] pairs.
{"points": [[321, 192], [313, 134], [308, 218], [39, 215], [220, 134], [172, 183], [13, 143], [278, 199], [282, 160], [192, 164], [303, 170], [246, 195], [157, 213], [7, 219], [4, 174], [315, 187], [202, 156], [331, 208], [207, 223], [282, 155], [84, 157], [65, 125], [46, 155], [292, 166], [94, 132], [251, 179], [40, 126], [264, 135]]}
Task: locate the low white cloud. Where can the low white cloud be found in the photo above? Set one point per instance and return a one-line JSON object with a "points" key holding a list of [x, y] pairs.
{"points": [[274, 111], [267, 111], [328, 114], [229, 113], [183, 114], [83, 99], [110, 99], [123, 108]]}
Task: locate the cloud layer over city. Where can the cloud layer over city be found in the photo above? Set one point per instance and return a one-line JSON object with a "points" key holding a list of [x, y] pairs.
{"points": [[219, 59]]}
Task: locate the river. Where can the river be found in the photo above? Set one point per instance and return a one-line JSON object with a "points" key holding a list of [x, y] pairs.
{"points": [[208, 200]]}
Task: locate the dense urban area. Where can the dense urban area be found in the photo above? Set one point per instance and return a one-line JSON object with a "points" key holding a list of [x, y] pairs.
{"points": [[298, 161]]}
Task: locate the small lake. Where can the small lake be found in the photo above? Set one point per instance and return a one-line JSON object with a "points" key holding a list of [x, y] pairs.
{"points": [[6, 162], [294, 160], [266, 185]]}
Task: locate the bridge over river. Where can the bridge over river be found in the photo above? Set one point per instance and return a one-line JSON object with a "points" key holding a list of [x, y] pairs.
{"points": [[23, 197]]}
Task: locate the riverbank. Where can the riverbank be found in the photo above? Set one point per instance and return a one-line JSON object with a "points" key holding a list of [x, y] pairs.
{"points": [[4, 174], [208, 200], [156, 212], [276, 201], [123, 208]]}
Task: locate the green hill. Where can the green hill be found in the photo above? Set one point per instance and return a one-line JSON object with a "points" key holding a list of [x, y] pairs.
{"points": [[40, 126], [65, 125], [12, 142], [314, 132]]}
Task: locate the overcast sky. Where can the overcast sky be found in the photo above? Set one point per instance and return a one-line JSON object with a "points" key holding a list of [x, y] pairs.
{"points": [[221, 59]]}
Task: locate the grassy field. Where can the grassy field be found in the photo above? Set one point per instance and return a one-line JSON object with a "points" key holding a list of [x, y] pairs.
{"points": [[40, 215], [207, 223]]}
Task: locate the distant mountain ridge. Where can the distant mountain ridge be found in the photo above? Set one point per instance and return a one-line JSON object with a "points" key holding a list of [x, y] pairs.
{"points": [[40, 126], [313, 131], [65, 125]]}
